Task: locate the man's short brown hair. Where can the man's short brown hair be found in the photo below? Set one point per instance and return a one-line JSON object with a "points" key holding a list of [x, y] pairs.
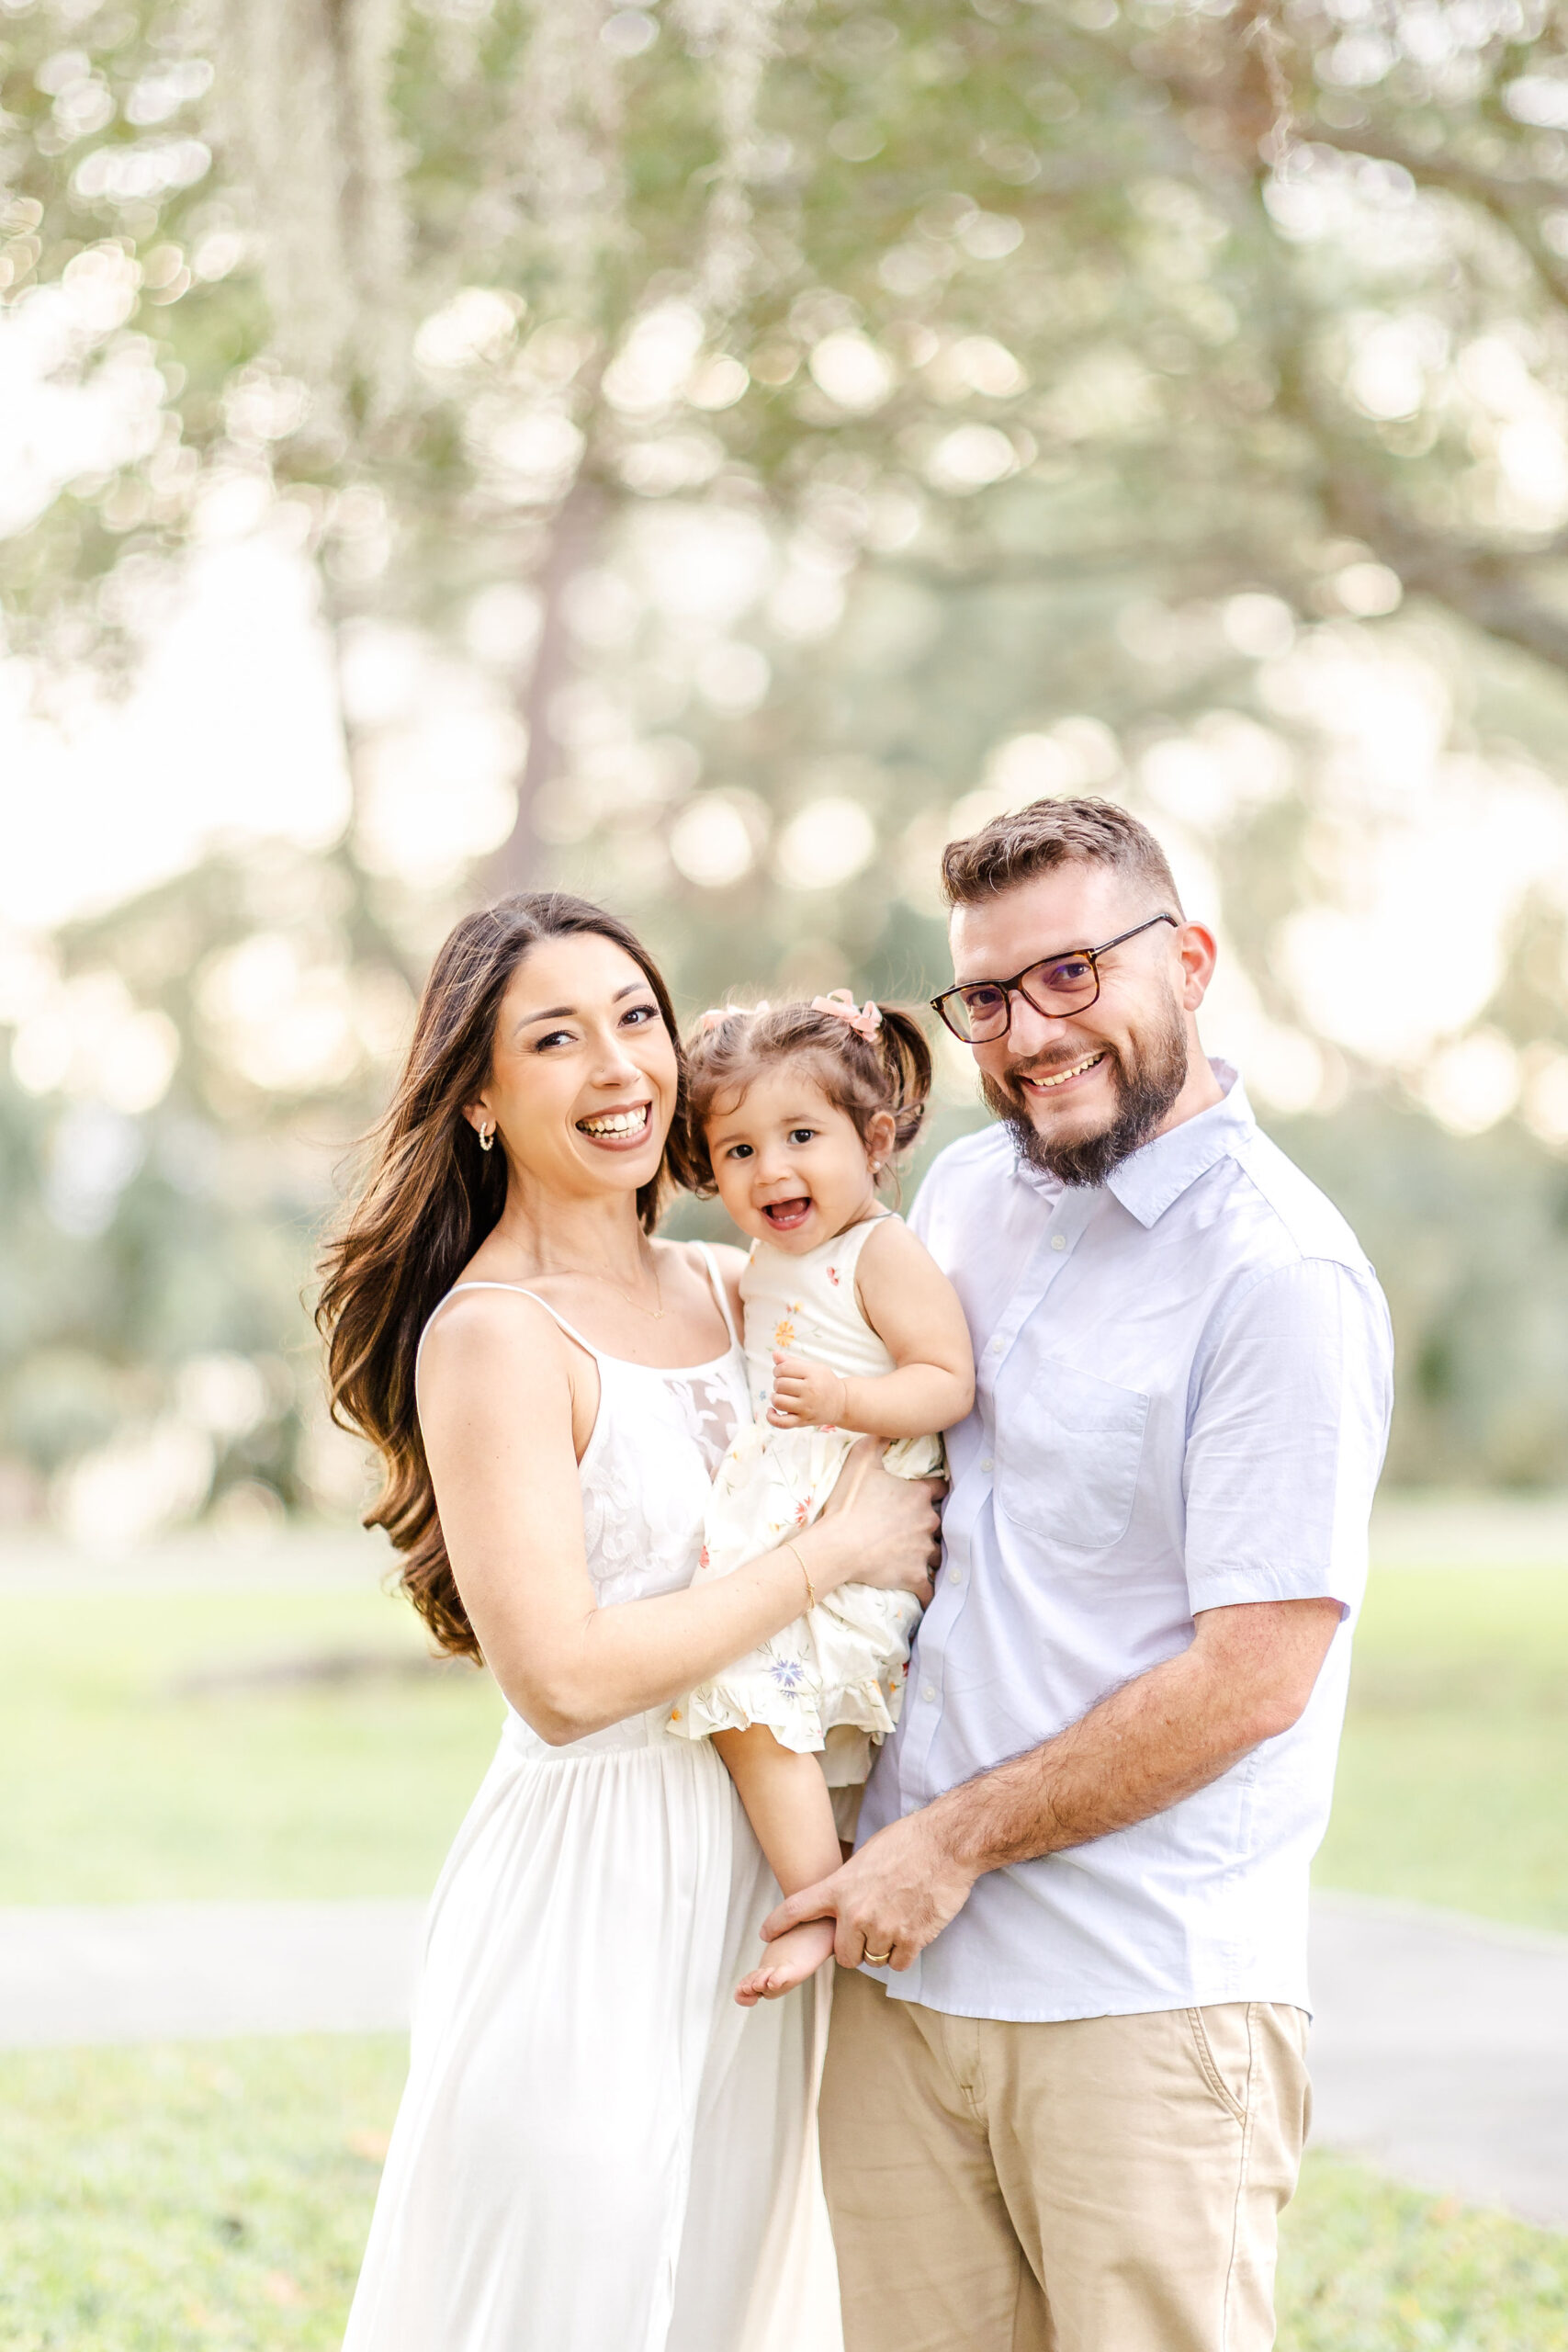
{"points": [[1025, 841]]}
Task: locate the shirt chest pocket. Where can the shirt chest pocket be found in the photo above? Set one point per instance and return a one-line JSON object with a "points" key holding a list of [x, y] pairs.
{"points": [[1069, 1448]]}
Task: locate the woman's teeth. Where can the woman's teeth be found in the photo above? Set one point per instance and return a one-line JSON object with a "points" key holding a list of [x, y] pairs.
{"points": [[1090, 1061], [617, 1123]]}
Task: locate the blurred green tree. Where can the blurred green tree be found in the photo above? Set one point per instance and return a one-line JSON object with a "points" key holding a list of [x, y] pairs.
{"points": [[737, 443]]}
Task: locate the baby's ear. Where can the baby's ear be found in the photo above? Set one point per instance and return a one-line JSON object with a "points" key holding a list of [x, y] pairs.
{"points": [[881, 1137]]}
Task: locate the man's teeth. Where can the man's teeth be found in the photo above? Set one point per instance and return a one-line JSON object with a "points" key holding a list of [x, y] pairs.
{"points": [[1062, 1075], [617, 1123]]}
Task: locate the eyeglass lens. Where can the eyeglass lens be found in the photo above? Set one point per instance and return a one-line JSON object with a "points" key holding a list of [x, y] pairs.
{"points": [[1063, 984]]}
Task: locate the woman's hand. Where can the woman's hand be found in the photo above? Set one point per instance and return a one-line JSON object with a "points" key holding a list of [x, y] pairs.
{"points": [[887, 1531]]}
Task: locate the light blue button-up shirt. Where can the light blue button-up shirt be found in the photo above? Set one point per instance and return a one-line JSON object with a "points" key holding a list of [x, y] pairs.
{"points": [[1182, 1402]]}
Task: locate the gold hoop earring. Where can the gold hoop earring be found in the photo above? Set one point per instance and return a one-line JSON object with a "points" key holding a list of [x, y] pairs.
{"points": [[486, 1137]]}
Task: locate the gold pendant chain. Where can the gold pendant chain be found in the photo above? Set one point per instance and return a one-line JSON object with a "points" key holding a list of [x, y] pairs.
{"points": [[654, 1314]]}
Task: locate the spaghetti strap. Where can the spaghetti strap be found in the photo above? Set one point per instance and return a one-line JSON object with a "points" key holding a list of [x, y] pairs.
{"points": [[720, 1292], [662, 1371], [522, 1292]]}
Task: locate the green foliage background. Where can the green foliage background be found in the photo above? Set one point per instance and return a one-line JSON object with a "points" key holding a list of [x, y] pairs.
{"points": [[1028, 354]]}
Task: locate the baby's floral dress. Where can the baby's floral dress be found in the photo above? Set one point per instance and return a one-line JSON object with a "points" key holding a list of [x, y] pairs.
{"points": [[832, 1682]]}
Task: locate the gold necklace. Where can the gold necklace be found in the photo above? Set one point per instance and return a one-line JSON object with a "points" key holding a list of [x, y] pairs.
{"points": [[654, 1314]]}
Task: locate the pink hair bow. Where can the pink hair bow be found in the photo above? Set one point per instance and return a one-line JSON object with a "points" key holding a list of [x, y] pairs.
{"points": [[718, 1015], [864, 1020]]}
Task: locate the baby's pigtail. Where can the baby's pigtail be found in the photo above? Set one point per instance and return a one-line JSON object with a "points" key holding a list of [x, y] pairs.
{"points": [[906, 1058]]}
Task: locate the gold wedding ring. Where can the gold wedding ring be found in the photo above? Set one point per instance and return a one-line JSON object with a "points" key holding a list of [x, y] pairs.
{"points": [[876, 1959]]}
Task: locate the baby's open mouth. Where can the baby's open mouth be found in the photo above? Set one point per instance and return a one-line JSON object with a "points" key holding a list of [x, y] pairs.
{"points": [[785, 1217], [616, 1127], [1061, 1077]]}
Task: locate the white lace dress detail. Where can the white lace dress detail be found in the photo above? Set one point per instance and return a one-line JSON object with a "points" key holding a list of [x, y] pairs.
{"points": [[644, 1492], [597, 2150], [833, 1682]]}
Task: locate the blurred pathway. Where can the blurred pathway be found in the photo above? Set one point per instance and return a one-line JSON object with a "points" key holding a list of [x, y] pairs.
{"points": [[176, 1972], [1439, 2051]]}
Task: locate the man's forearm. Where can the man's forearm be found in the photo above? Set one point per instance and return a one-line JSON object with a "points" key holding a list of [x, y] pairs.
{"points": [[1156, 1740], [1245, 1678]]}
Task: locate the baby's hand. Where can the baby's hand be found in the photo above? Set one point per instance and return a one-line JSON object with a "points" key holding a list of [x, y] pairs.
{"points": [[806, 1395]]}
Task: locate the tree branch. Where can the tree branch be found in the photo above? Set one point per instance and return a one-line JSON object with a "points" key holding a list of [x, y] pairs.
{"points": [[1507, 200], [1480, 585], [576, 524]]}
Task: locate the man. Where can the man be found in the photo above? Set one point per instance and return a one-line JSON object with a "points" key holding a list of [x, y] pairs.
{"points": [[1065, 2115]]}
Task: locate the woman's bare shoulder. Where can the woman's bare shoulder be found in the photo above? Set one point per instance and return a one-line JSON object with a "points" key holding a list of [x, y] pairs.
{"points": [[728, 1262], [691, 1255], [481, 1327]]}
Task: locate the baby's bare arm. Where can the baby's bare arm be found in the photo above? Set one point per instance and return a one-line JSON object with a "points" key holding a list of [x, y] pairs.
{"points": [[914, 1310]]}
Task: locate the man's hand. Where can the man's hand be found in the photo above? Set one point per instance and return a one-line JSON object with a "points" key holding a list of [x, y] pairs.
{"points": [[806, 1395], [893, 1898]]}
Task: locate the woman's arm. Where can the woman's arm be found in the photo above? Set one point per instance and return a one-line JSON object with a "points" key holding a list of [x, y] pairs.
{"points": [[496, 1407], [914, 1310]]}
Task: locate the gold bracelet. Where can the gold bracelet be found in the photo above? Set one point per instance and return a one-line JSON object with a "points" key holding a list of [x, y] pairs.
{"points": [[810, 1588]]}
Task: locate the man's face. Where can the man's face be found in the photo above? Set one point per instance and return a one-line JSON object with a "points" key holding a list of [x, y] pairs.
{"points": [[1082, 1090]]}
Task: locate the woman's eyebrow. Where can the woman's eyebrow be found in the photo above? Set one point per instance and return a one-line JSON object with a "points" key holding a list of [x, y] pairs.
{"points": [[569, 1012]]}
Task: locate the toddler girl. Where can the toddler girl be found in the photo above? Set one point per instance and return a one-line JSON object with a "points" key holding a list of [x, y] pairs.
{"points": [[796, 1110]]}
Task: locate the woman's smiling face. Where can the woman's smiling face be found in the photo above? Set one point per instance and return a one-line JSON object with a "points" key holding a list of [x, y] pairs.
{"points": [[583, 1078]]}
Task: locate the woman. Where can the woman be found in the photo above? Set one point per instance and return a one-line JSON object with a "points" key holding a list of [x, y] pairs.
{"points": [[597, 2151]]}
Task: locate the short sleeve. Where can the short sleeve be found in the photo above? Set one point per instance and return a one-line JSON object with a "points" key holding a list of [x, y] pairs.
{"points": [[1288, 1425]]}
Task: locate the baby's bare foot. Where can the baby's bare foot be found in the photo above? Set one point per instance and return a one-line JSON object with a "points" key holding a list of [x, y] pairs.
{"points": [[792, 1957]]}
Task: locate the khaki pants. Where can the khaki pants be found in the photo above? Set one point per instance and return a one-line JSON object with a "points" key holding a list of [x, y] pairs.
{"points": [[1106, 2184]]}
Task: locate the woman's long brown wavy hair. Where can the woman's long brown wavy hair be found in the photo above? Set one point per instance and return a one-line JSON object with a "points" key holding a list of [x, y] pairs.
{"points": [[429, 1199]]}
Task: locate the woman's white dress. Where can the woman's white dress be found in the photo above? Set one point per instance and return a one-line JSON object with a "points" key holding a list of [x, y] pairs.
{"points": [[597, 2150]]}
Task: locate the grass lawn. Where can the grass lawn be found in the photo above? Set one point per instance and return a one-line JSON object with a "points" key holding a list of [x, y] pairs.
{"points": [[1368, 2266], [204, 2196], [217, 2195], [153, 1769], [1455, 1759], [208, 2194]]}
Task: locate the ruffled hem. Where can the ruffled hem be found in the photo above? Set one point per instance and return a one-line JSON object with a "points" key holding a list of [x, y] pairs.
{"points": [[799, 1719]]}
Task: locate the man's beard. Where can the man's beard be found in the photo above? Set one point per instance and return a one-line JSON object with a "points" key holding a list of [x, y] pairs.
{"points": [[1147, 1082]]}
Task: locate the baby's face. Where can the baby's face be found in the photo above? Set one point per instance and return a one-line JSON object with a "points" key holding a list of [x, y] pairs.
{"points": [[790, 1166]]}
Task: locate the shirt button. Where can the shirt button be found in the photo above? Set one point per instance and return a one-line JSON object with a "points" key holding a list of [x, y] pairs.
{"points": [[928, 1690], [987, 1463], [956, 1575], [1058, 1241], [995, 1348]]}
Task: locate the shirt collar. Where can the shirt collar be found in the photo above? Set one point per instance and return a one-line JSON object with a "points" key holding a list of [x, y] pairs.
{"points": [[1149, 1180], [1050, 1187]]}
